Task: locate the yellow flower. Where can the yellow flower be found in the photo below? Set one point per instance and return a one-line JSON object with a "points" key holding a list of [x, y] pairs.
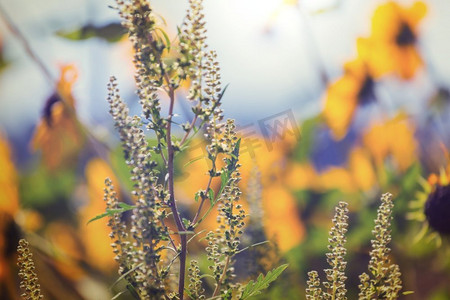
{"points": [[353, 88], [394, 138], [281, 217], [391, 46], [9, 194], [58, 134], [300, 176], [432, 207], [361, 168], [337, 178], [282, 221], [95, 235]]}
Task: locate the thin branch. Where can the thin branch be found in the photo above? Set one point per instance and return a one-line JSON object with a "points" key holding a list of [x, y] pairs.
{"points": [[18, 34]]}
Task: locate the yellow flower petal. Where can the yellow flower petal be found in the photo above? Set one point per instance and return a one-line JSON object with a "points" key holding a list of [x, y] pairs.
{"points": [[361, 169], [9, 194], [95, 235], [281, 219]]}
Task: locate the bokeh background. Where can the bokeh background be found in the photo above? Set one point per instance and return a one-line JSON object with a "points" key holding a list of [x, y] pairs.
{"points": [[334, 100]]}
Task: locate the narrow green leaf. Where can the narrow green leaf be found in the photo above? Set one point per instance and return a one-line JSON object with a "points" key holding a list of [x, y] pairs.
{"points": [[197, 196], [133, 291], [408, 293], [118, 295], [125, 275], [125, 206], [193, 161], [211, 196], [223, 92], [166, 37], [186, 223], [111, 212], [224, 180], [112, 32], [254, 288], [185, 232]]}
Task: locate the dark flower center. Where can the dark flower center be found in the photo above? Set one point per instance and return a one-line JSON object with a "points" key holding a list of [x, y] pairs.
{"points": [[366, 94], [405, 35], [52, 100], [437, 209]]}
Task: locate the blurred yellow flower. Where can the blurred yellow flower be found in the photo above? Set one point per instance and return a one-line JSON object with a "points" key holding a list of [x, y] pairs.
{"points": [[431, 207], [282, 221], [300, 176], [337, 178], [394, 138], [9, 194], [58, 134], [391, 48], [353, 88], [361, 168], [281, 217], [95, 235], [68, 249]]}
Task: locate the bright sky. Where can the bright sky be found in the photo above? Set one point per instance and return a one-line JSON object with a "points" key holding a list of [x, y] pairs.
{"points": [[270, 62]]}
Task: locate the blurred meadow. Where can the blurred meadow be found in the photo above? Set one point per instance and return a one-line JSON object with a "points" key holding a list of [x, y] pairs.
{"points": [[334, 100]]}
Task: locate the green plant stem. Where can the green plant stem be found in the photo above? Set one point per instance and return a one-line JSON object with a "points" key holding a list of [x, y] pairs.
{"points": [[18, 34], [172, 203], [222, 277], [189, 130], [202, 201]]}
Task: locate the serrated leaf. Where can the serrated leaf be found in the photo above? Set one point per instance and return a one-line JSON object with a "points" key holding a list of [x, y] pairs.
{"points": [[186, 223], [224, 180], [408, 293], [222, 93], [186, 232], [193, 160], [125, 206], [254, 288], [197, 196], [234, 156], [118, 295], [166, 37], [111, 212], [133, 291], [111, 32], [211, 196]]}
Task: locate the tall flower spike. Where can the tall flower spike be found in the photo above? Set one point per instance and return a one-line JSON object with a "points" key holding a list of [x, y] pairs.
{"points": [[335, 284], [119, 234], [383, 279], [314, 291], [146, 227], [224, 242], [195, 283], [192, 44], [138, 18], [29, 283]]}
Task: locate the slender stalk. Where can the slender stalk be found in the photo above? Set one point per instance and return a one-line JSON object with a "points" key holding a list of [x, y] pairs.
{"points": [[222, 277], [199, 210], [18, 34], [95, 142], [172, 202]]}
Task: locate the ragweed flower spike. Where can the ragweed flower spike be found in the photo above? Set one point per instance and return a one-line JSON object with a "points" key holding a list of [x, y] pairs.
{"points": [[335, 283], [383, 279], [29, 280], [141, 247], [314, 291]]}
